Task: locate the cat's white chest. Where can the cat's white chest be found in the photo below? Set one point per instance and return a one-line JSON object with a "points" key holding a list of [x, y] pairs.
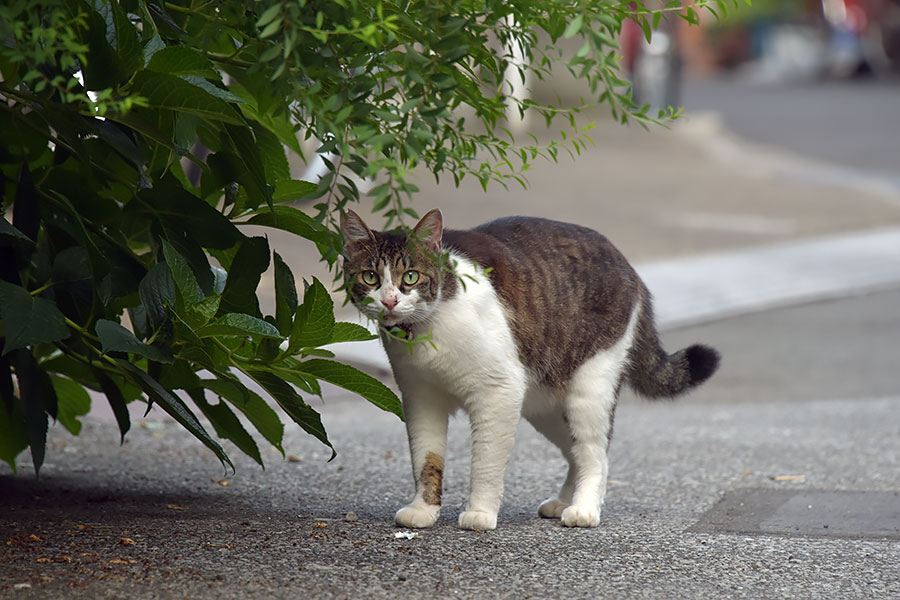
{"points": [[471, 340]]}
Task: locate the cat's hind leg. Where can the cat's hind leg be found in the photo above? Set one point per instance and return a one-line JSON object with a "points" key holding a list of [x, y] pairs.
{"points": [[550, 422], [426, 412], [590, 403]]}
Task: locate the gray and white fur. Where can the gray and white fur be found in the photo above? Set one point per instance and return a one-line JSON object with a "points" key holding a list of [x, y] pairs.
{"points": [[528, 317]]}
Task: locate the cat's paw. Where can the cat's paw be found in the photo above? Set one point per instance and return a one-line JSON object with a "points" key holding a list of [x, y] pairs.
{"points": [[478, 520], [579, 516], [552, 508], [417, 515]]}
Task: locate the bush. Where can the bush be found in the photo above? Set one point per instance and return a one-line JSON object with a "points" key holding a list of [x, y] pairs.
{"points": [[121, 274]]}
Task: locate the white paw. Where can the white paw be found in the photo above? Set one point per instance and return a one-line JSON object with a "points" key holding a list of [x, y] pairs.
{"points": [[417, 515], [579, 516], [478, 520], [552, 508]]}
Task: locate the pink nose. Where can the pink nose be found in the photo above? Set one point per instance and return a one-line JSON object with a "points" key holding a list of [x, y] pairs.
{"points": [[390, 302]]}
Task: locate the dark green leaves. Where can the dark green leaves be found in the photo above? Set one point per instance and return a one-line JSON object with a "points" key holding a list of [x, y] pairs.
{"points": [[168, 92], [115, 338], [291, 402], [28, 319], [248, 265], [238, 324], [354, 380], [314, 322]]}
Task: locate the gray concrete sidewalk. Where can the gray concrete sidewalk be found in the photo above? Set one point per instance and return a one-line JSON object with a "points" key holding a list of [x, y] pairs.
{"points": [[805, 392]]}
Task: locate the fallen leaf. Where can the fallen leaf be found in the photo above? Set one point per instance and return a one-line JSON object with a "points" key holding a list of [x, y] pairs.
{"points": [[788, 477], [45, 560], [296, 459], [126, 541], [122, 561], [175, 507], [33, 538], [224, 482], [320, 525]]}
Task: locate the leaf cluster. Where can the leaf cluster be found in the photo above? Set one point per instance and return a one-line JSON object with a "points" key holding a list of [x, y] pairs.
{"points": [[121, 275]]}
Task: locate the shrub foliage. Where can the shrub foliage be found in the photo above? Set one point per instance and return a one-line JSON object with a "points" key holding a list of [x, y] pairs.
{"points": [[122, 273]]}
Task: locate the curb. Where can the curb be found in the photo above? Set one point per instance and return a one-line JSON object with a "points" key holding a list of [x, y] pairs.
{"points": [[700, 289]]}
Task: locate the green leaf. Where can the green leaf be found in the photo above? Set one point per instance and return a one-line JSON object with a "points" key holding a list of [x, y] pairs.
{"points": [[251, 404], [29, 320], [350, 332], [213, 90], [177, 60], [293, 220], [239, 324], [116, 338], [269, 15], [116, 402], [291, 402], [200, 313], [176, 408], [574, 26], [245, 145], [285, 296], [13, 436], [314, 321], [10, 236], [38, 399], [182, 274], [73, 402], [226, 424], [180, 211], [126, 41], [157, 292], [173, 93], [271, 152], [250, 262], [291, 190], [354, 380]]}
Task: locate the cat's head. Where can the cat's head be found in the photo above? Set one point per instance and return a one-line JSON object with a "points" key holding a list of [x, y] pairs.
{"points": [[393, 276]]}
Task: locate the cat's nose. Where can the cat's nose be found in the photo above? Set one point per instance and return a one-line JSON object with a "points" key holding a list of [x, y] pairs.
{"points": [[390, 302]]}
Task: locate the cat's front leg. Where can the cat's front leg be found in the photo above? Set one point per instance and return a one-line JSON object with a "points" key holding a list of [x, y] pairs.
{"points": [[494, 418], [426, 413]]}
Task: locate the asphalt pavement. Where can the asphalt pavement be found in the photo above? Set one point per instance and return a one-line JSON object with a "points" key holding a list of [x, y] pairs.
{"points": [[777, 478]]}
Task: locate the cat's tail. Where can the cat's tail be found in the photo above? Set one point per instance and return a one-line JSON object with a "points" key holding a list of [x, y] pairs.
{"points": [[654, 373]]}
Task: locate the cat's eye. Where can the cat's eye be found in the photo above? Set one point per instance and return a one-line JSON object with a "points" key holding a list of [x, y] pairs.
{"points": [[411, 277], [369, 277]]}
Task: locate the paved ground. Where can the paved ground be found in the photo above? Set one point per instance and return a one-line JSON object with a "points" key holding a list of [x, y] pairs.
{"points": [[808, 401], [778, 419]]}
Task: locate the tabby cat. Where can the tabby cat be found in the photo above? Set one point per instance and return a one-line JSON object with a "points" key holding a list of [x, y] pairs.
{"points": [[528, 317]]}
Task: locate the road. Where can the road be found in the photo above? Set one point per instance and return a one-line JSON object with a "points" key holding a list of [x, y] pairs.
{"points": [[847, 122]]}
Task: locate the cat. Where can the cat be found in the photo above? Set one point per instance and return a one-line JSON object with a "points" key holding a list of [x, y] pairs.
{"points": [[527, 317]]}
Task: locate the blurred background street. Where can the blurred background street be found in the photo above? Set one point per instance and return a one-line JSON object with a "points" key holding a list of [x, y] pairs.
{"points": [[770, 212]]}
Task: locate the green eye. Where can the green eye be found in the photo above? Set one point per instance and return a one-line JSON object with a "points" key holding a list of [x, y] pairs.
{"points": [[369, 277], [411, 277]]}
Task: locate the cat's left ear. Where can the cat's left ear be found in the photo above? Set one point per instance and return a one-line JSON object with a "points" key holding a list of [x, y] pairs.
{"points": [[429, 229]]}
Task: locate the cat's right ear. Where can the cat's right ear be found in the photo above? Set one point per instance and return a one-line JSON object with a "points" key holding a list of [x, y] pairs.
{"points": [[430, 229], [354, 229]]}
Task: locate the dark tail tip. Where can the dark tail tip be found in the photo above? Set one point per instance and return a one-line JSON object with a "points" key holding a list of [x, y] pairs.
{"points": [[702, 363]]}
